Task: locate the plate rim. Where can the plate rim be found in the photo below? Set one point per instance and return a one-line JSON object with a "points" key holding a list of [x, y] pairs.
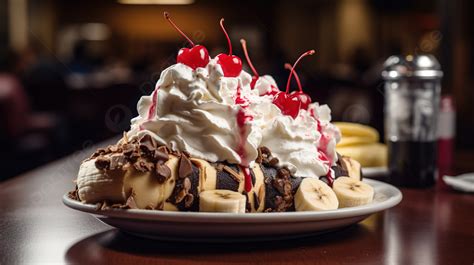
{"points": [[201, 217], [374, 172]]}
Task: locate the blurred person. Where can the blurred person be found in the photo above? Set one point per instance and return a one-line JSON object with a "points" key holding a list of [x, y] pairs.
{"points": [[13, 100], [42, 76], [28, 138]]}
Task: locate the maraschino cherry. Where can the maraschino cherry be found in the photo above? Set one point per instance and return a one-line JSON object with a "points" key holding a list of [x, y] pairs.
{"points": [[290, 104], [304, 98], [231, 64], [197, 56]]}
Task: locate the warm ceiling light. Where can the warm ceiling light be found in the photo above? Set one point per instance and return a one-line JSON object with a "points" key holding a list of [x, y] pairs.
{"points": [[156, 2]]}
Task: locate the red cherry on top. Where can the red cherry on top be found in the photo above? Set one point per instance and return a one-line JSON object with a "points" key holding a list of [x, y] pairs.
{"points": [[197, 56], [304, 98], [231, 64], [290, 104], [255, 73]]}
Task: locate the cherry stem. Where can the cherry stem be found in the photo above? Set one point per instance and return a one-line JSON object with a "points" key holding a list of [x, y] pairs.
{"points": [[244, 47], [289, 67], [310, 52], [226, 35], [168, 17]]}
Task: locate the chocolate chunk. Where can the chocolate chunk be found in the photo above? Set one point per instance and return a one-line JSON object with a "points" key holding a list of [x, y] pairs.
{"points": [[147, 144], [219, 166], [279, 184], [99, 152], [227, 181], [128, 149], [102, 163], [187, 184], [143, 165], [324, 179], [232, 173], [287, 188], [180, 196], [104, 206], [147, 147], [268, 171], [114, 148], [339, 171], [163, 172], [188, 200], [265, 151], [163, 149], [185, 167], [273, 162], [279, 203], [73, 194], [283, 172], [133, 157], [131, 204], [117, 162], [295, 184], [160, 156]]}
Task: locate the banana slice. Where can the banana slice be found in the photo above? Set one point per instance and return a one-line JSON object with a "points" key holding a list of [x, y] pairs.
{"points": [[221, 201], [359, 130], [315, 195], [94, 185], [351, 192]]}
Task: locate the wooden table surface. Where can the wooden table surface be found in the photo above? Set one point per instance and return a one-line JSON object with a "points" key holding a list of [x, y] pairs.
{"points": [[428, 227]]}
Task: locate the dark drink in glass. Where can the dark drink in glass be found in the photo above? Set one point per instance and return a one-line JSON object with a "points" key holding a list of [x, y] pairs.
{"points": [[412, 94], [412, 163]]}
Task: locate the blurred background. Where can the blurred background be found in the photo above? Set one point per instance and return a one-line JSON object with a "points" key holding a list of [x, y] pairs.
{"points": [[71, 72]]}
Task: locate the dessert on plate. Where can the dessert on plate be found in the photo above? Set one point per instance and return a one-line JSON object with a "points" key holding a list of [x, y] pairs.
{"points": [[213, 138]]}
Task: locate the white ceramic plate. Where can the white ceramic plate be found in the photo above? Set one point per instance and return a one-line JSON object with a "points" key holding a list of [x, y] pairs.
{"points": [[228, 227], [374, 172], [464, 182]]}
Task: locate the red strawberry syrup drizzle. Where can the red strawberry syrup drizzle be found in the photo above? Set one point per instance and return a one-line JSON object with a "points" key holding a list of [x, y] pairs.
{"points": [[323, 146], [152, 109], [242, 118]]}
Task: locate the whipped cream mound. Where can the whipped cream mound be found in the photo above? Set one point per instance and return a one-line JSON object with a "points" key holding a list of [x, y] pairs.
{"points": [[198, 111], [195, 111]]}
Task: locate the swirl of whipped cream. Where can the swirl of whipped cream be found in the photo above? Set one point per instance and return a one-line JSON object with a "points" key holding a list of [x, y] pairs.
{"points": [[195, 111], [297, 142], [198, 111], [265, 84]]}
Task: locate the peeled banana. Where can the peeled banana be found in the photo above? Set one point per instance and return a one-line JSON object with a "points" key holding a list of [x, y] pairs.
{"points": [[193, 184]]}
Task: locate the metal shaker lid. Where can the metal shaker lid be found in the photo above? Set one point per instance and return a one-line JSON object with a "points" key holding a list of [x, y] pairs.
{"points": [[410, 66]]}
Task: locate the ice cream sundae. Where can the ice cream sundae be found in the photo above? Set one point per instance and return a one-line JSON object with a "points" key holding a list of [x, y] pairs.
{"points": [[213, 138]]}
